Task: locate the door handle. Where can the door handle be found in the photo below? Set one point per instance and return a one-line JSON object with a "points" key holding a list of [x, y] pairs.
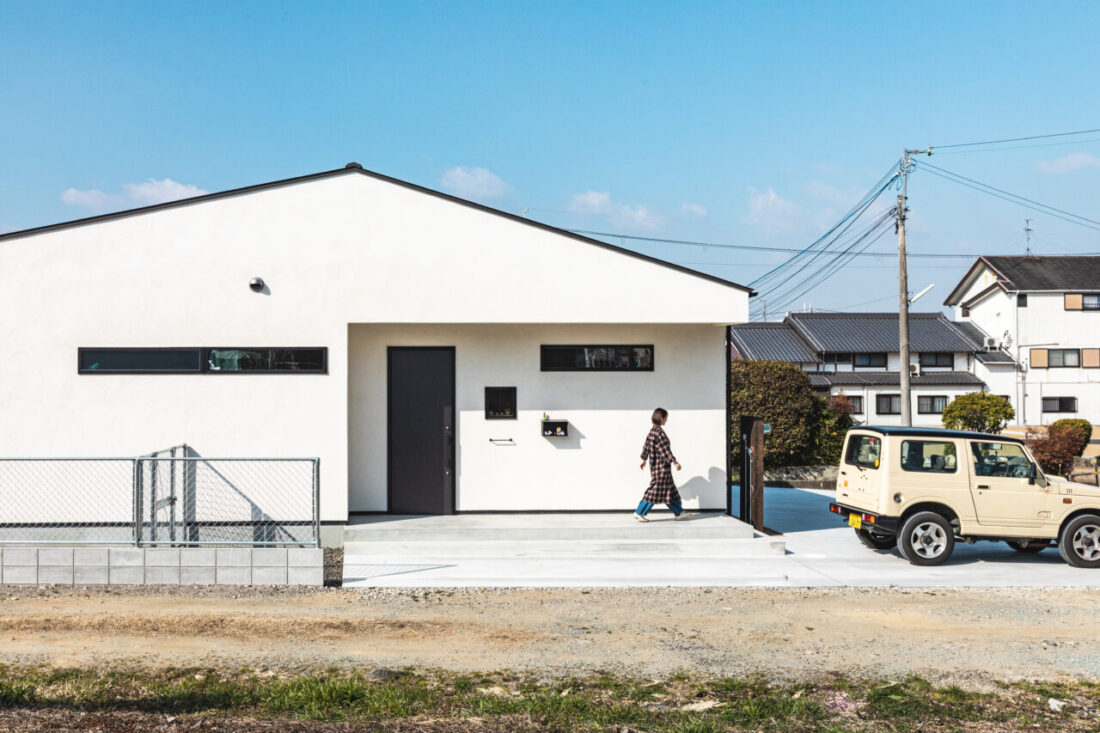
{"points": [[983, 486]]}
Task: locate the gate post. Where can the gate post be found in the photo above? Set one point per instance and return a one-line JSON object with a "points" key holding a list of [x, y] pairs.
{"points": [[752, 471]]}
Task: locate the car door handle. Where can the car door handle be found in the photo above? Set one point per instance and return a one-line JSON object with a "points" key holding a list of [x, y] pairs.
{"points": [[983, 486]]}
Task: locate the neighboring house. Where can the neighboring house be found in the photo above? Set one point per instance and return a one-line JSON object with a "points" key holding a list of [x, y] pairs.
{"points": [[1040, 317], [857, 355], [410, 339]]}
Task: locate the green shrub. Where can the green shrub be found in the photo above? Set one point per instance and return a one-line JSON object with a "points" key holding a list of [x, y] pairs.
{"points": [[980, 412], [1078, 431], [1055, 451], [834, 417], [779, 393]]}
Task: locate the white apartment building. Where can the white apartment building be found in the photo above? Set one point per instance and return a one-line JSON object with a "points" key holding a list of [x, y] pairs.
{"points": [[1038, 319], [857, 355]]}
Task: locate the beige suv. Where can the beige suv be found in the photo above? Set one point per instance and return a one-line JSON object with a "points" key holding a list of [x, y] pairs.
{"points": [[922, 489]]}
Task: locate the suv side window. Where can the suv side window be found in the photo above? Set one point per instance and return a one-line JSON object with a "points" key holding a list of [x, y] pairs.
{"points": [[928, 456], [863, 450], [1000, 459]]}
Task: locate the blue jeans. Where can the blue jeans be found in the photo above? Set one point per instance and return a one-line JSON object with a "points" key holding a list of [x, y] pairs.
{"points": [[644, 507]]}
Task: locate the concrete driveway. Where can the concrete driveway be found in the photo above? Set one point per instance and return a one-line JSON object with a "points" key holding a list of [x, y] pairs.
{"points": [[822, 550]]}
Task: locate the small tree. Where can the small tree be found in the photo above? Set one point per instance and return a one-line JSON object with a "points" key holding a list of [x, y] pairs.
{"points": [[980, 412], [779, 393], [834, 417], [1055, 451], [1077, 430]]}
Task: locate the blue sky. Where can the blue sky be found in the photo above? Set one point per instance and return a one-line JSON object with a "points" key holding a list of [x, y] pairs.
{"points": [[740, 123]]}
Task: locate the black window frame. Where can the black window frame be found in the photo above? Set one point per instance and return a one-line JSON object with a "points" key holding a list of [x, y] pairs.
{"points": [[492, 397], [855, 400], [1061, 401], [836, 357], [937, 358], [544, 348], [1021, 300], [878, 404], [873, 359], [931, 410], [1062, 355], [203, 358]]}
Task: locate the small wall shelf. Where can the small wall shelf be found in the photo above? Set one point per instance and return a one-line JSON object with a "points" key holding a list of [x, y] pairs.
{"points": [[555, 428]]}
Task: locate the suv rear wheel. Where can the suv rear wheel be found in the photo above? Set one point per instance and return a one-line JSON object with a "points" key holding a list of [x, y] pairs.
{"points": [[1079, 544], [877, 541], [926, 538]]}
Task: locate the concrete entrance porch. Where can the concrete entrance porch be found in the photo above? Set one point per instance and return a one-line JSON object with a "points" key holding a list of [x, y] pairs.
{"points": [[553, 550]]}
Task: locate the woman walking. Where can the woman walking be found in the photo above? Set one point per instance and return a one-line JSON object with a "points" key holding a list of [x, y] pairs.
{"points": [[662, 489]]}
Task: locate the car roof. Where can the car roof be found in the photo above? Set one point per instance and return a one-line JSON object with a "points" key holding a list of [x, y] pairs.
{"points": [[936, 433]]}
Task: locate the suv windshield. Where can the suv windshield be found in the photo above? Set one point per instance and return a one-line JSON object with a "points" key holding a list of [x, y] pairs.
{"points": [[863, 450]]}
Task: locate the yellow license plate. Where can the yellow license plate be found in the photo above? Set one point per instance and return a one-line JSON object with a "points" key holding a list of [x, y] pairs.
{"points": [[854, 520]]}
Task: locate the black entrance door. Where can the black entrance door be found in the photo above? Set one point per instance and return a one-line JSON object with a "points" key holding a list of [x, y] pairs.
{"points": [[421, 430]]}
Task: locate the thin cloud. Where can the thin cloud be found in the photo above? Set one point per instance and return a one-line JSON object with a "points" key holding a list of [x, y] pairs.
{"points": [[474, 183], [771, 213], [133, 195], [599, 203], [692, 211], [1071, 163]]}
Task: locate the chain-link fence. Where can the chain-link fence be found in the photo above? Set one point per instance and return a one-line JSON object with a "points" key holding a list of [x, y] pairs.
{"points": [[169, 498]]}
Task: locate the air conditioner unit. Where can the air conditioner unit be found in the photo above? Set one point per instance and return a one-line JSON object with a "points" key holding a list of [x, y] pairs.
{"points": [[990, 343], [914, 369]]}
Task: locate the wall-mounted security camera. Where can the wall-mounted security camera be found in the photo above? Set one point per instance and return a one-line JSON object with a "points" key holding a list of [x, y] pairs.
{"points": [[256, 284]]}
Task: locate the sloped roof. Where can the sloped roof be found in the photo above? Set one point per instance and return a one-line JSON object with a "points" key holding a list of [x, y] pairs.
{"points": [[877, 332], [770, 342], [888, 379], [1029, 273], [355, 168], [972, 332]]}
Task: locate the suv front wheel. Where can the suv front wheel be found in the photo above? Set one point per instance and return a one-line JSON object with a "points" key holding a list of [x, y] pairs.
{"points": [[1079, 544], [926, 538]]}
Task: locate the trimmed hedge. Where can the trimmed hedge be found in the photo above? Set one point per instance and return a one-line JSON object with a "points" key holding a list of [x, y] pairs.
{"points": [[980, 412]]}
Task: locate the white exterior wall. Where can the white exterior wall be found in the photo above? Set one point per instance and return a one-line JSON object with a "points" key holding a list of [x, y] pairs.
{"points": [[596, 467], [1043, 323], [334, 251]]}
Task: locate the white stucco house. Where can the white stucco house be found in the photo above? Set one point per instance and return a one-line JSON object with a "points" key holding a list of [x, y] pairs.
{"points": [[410, 339], [1038, 318]]}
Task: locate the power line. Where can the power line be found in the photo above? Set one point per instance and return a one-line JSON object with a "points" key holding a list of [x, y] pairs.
{"points": [[1009, 196], [1018, 147], [1017, 139]]}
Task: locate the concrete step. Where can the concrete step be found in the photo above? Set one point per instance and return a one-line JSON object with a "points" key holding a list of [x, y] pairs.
{"points": [[603, 548], [534, 527]]}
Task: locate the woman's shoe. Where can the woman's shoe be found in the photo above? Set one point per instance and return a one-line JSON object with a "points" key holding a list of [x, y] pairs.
{"points": [[681, 516], [640, 517]]}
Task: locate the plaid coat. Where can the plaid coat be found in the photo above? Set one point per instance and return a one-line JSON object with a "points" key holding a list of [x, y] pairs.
{"points": [[662, 489]]}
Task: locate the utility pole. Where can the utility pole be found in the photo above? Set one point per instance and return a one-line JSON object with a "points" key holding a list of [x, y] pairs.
{"points": [[1027, 233], [903, 289]]}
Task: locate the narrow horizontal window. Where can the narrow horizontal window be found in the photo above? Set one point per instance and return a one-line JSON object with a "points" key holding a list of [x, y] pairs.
{"points": [[839, 357], [869, 360], [937, 359], [199, 360], [597, 358], [931, 405], [1059, 404], [309, 360], [139, 361], [1064, 357]]}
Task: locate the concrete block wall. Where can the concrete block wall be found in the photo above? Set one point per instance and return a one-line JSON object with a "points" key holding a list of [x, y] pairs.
{"points": [[162, 565]]}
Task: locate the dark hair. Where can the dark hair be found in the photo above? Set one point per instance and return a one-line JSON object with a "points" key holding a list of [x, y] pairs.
{"points": [[660, 416]]}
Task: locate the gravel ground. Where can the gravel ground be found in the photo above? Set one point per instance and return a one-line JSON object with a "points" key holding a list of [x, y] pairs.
{"points": [[970, 637]]}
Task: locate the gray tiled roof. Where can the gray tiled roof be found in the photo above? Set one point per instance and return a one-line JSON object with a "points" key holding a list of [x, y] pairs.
{"points": [[994, 357], [886, 379], [770, 342], [1064, 272], [972, 332], [838, 332], [978, 336]]}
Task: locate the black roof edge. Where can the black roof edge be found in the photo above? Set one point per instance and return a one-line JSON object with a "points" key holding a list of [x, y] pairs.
{"points": [[930, 432], [356, 168]]}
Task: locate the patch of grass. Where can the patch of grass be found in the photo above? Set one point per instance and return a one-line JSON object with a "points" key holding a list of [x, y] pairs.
{"points": [[678, 704]]}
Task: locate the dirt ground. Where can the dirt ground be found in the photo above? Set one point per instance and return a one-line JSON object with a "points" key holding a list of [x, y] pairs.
{"points": [[968, 637]]}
